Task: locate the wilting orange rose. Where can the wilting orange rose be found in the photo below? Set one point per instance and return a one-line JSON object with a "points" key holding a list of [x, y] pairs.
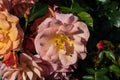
{"points": [[27, 69], [18, 7], [11, 34], [11, 59]]}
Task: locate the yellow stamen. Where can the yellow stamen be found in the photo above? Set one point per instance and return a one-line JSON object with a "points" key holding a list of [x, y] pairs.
{"points": [[63, 42]]}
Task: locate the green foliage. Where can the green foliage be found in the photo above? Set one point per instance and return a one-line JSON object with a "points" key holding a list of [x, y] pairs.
{"points": [[37, 10], [110, 55], [80, 12], [103, 20], [88, 77], [115, 69], [84, 16]]}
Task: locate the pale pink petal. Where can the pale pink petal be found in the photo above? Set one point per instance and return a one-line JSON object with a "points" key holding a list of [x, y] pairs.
{"points": [[24, 76], [66, 18], [67, 60], [80, 49], [14, 75], [80, 29], [44, 24], [29, 73]]}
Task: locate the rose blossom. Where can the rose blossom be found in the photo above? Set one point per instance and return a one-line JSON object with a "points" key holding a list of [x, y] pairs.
{"points": [[62, 39], [27, 69], [18, 7], [11, 34]]}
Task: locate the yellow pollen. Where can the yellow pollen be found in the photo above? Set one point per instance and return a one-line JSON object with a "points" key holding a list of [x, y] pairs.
{"points": [[61, 41]]}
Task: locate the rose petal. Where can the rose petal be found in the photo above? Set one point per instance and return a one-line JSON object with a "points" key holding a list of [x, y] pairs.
{"points": [[67, 60]]}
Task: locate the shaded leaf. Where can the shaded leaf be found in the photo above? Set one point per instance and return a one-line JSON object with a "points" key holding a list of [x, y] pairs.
{"points": [[114, 17], [115, 69], [100, 74], [110, 55], [101, 55], [90, 70], [76, 7], [86, 17], [66, 9], [103, 1], [38, 10], [88, 77]]}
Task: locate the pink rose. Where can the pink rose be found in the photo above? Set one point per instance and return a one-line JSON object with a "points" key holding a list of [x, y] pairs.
{"points": [[62, 39]]}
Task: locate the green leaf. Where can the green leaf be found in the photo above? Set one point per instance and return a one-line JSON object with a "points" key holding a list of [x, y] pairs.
{"points": [[76, 7], [100, 74], [103, 1], [101, 55], [101, 77], [110, 55], [86, 17], [90, 70], [88, 77], [114, 17], [38, 10], [108, 44], [66, 9], [115, 69]]}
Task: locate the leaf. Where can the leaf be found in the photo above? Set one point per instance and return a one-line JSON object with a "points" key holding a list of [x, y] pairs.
{"points": [[110, 55], [100, 74], [86, 17], [38, 10], [108, 44], [88, 77], [114, 17], [101, 55], [65, 9], [90, 70], [103, 1], [76, 7], [115, 69]]}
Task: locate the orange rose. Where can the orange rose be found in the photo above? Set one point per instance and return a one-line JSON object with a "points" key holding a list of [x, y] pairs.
{"points": [[11, 34], [11, 59]]}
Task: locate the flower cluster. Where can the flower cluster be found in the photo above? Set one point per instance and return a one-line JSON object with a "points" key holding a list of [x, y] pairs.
{"points": [[51, 53]]}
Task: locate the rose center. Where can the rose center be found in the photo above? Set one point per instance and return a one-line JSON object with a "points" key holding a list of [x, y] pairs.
{"points": [[63, 42]]}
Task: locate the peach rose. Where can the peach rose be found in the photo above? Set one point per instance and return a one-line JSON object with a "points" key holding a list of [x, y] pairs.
{"points": [[62, 39], [11, 34]]}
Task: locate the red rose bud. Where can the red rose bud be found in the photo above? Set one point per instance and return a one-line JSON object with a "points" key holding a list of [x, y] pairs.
{"points": [[100, 45], [27, 12], [11, 59]]}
